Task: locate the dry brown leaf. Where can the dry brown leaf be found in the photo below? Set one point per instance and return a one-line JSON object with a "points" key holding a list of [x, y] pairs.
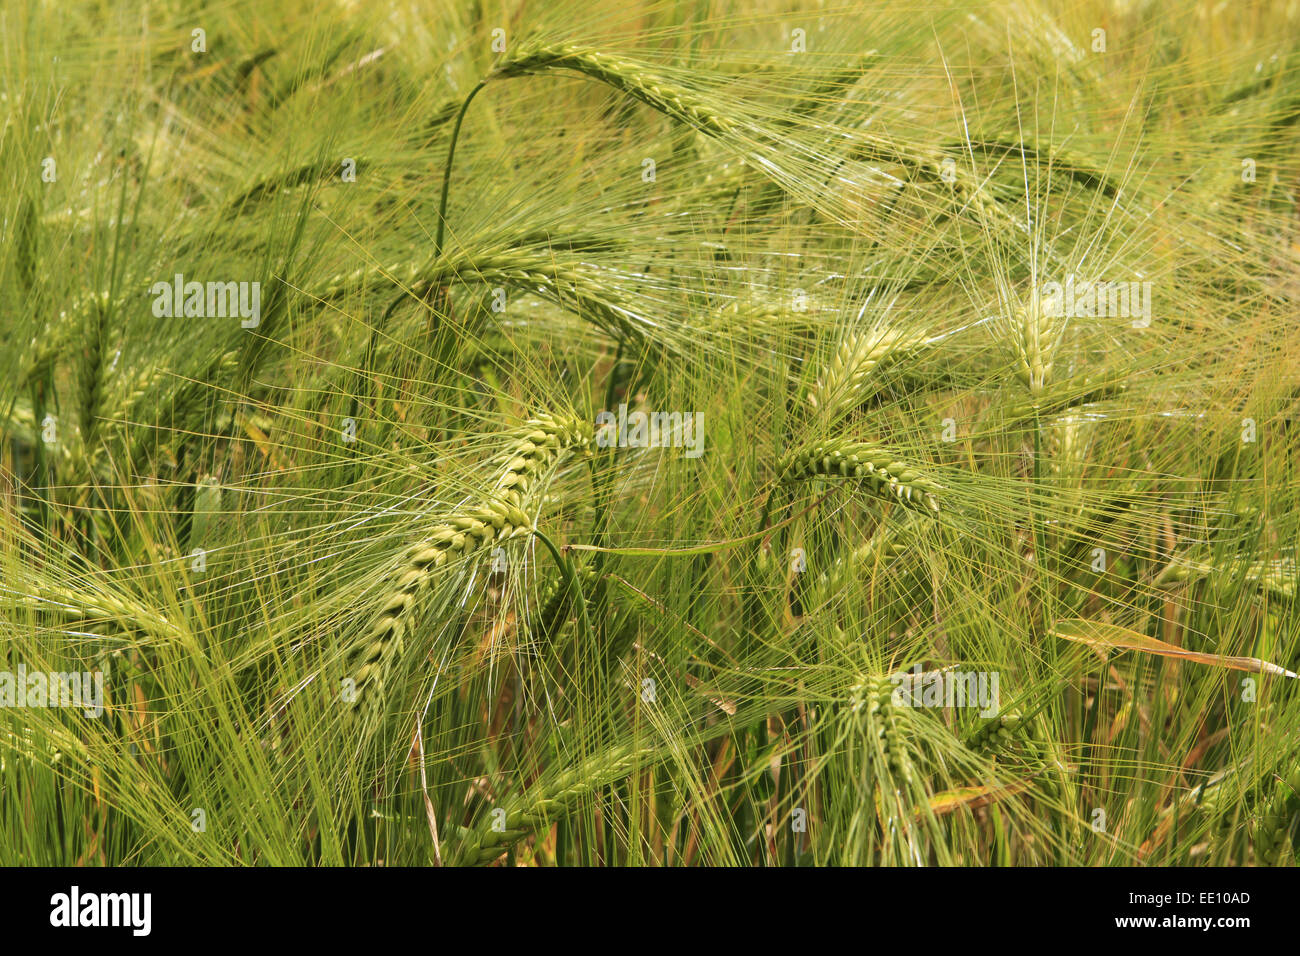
{"points": [[1112, 637]]}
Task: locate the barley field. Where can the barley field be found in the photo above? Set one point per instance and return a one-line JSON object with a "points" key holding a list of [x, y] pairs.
{"points": [[664, 433]]}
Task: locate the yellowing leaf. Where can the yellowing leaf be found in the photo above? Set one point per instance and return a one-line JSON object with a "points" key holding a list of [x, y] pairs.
{"points": [[973, 797], [1112, 637]]}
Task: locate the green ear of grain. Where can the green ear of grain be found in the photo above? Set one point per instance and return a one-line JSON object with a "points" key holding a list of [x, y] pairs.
{"points": [[877, 468], [497, 518], [556, 602], [873, 701], [1035, 336], [996, 734], [1277, 577], [558, 797], [1066, 395], [1277, 826], [621, 73], [846, 381], [568, 286]]}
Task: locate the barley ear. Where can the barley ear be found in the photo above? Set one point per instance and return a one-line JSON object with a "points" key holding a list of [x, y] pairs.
{"points": [[873, 701], [556, 602], [1277, 825], [559, 797], [1035, 337], [846, 381], [879, 470], [498, 517], [628, 76], [995, 735]]}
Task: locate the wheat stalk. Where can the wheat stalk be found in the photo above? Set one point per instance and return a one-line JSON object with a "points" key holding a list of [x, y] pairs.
{"points": [[497, 517], [884, 474]]}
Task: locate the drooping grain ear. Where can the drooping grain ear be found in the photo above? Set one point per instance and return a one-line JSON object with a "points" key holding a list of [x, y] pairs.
{"points": [[559, 796], [82, 604], [497, 517], [877, 468], [633, 78], [566, 284]]}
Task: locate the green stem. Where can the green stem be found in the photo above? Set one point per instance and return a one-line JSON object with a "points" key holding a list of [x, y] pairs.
{"points": [[446, 172], [1040, 533], [602, 476], [570, 582]]}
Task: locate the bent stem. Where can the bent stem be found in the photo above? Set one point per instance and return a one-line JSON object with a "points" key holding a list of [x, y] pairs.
{"points": [[570, 582], [446, 172]]}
